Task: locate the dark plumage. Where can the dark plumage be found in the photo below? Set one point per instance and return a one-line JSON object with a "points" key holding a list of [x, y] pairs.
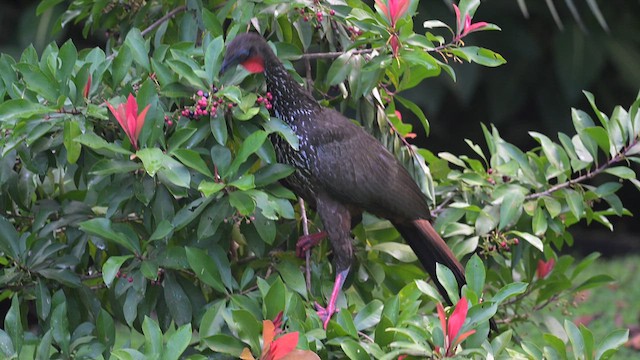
{"points": [[341, 170]]}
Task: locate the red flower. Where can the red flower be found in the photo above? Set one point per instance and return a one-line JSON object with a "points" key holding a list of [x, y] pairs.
{"points": [[452, 326], [545, 267], [466, 28], [129, 119], [395, 10]]}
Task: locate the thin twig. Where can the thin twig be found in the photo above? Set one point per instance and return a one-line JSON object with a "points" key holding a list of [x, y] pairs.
{"points": [[305, 232], [616, 159], [168, 16], [334, 54]]}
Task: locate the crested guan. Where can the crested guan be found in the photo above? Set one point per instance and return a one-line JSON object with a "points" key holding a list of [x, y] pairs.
{"points": [[341, 170]]}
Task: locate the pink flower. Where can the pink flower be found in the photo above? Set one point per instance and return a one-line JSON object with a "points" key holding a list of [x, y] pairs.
{"points": [[545, 267], [129, 119], [466, 28], [452, 326], [394, 11]]}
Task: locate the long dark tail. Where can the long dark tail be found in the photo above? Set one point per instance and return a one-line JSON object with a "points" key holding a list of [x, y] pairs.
{"points": [[430, 249]]}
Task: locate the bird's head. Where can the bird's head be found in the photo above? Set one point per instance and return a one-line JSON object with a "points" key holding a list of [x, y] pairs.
{"points": [[247, 50]]}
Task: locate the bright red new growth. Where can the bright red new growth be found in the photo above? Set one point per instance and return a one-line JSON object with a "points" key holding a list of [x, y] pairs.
{"points": [[87, 87], [129, 119], [282, 346], [545, 267], [452, 327], [466, 28], [395, 9], [254, 64]]}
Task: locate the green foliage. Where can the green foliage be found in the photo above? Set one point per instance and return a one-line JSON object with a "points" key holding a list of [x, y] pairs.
{"points": [[183, 247]]}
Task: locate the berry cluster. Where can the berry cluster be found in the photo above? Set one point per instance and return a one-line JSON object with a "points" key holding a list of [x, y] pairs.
{"points": [[238, 219], [311, 14], [266, 100], [498, 243], [207, 104]]}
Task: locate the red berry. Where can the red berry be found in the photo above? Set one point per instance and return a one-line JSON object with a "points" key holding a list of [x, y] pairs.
{"points": [[200, 93], [332, 12], [230, 105], [268, 106], [516, 241], [130, 279], [169, 123]]}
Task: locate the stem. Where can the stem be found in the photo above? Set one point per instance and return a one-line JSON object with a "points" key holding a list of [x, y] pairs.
{"points": [[333, 54], [614, 160], [307, 253], [168, 16]]}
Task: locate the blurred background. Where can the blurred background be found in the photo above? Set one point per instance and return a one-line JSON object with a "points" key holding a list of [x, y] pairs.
{"points": [[552, 55]]}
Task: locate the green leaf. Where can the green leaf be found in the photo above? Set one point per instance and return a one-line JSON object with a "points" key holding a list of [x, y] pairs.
{"points": [[275, 299], [37, 81], [9, 239], [95, 142], [339, 69], [249, 146], [244, 203], [44, 347], [6, 346], [479, 55], [177, 343], [155, 161], [219, 128], [153, 337], [214, 51], [539, 222], [105, 329], [448, 280], [60, 327], [511, 208], [508, 291], [622, 172], [136, 43], [276, 125], [71, 131], [43, 300], [293, 277], [225, 344], [271, 173], [177, 300], [575, 337], [611, 343], [15, 109], [205, 268], [193, 160], [415, 109], [575, 202], [102, 227], [209, 188], [353, 350], [402, 252], [111, 268], [531, 239], [13, 324], [368, 316], [475, 274]]}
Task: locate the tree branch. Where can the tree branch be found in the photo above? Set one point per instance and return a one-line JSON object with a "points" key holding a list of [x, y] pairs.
{"points": [[614, 160], [168, 16]]}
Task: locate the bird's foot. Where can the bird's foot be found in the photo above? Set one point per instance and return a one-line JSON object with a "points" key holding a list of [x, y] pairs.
{"points": [[325, 313], [306, 242]]}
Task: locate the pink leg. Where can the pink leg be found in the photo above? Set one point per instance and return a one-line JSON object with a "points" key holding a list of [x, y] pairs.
{"points": [[326, 313], [306, 242]]}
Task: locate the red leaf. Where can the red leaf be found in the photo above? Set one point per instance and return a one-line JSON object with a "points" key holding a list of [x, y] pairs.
{"points": [[545, 267], [268, 332], [443, 320], [87, 87], [457, 318], [283, 345]]}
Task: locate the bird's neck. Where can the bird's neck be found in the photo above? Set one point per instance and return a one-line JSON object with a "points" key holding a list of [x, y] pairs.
{"points": [[291, 102]]}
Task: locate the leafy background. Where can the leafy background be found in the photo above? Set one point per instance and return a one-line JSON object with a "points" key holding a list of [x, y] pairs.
{"points": [[537, 100]]}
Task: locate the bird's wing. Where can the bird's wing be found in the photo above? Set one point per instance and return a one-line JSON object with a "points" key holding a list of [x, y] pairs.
{"points": [[355, 168]]}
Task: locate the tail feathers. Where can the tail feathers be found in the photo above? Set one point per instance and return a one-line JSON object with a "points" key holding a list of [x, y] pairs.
{"points": [[430, 249]]}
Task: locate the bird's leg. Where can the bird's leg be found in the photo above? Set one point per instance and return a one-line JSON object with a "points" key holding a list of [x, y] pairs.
{"points": [[308, 241], [325, 313]]}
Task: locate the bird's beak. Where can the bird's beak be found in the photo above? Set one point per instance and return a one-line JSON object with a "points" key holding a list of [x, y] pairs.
{"points": [[226, 64]]}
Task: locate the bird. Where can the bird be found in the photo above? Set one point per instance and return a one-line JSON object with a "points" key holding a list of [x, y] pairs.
{"points": [[341, 171]]}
